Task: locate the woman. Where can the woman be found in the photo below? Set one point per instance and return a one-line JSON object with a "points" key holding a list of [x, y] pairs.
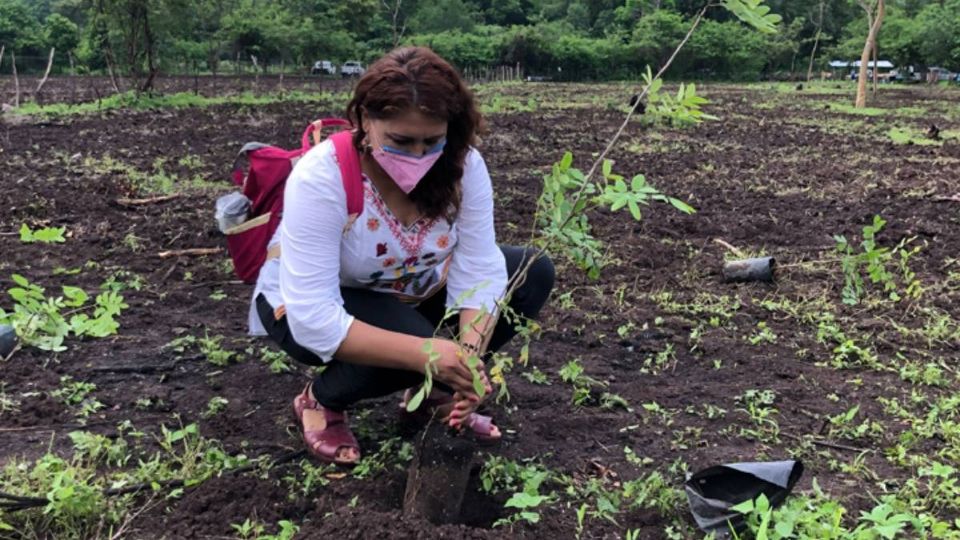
{"points": [[364, 296]]}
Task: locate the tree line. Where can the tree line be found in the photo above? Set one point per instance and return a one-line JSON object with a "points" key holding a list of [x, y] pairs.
{"points": [[560, 39]]}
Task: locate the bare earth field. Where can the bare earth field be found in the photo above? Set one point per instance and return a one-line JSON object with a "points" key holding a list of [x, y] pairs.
{"points": [[706, 372]]}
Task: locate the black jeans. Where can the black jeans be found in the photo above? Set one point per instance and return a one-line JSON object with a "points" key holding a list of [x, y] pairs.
{"points": [[343, 384]]}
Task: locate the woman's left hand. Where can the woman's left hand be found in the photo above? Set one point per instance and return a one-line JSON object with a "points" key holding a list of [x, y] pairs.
{"points": [[464, 406]]}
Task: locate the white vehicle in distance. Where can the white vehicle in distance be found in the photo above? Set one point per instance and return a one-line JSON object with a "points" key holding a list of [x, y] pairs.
{"points": [[323, 67], [351, 69]]}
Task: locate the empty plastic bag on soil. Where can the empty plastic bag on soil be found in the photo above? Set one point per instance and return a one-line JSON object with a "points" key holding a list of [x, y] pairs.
{"points": [[232, 210], [8, 340], [713, 492]]}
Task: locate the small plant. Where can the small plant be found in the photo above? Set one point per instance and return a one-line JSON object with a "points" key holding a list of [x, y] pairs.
{"points": [[276, 361], [47, 235], [572, 372], [393, 452], [215, 406], [254, 530], [536, 376], [310, 478], [45, 322], [804, 518], [758, 404], [7, 403], [527, 501], [133, 242], [878, 263], [610, 400], [216, 355], [76, 395], [208, 346], [683, 109], [762, 335]]}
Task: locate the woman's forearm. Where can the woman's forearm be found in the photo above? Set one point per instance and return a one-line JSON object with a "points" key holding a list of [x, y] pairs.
{"points": [[473, 326], [369, 345]]}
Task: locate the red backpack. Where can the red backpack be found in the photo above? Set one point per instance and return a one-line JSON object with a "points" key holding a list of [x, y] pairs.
{"points": [[263, 185]]}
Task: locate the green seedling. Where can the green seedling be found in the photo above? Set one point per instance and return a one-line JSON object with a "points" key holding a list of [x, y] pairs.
{"points": [[47, 235]]}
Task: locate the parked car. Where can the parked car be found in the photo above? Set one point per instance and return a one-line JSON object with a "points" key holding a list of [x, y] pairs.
{"points": [[351, 69], [323, 67]]}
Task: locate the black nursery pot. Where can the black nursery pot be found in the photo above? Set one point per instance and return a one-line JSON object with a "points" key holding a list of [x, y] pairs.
{"points": [[8, 340], [757, 269]]}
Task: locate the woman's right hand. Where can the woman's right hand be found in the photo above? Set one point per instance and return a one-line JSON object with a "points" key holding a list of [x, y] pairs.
{"points": [[451, 368]]}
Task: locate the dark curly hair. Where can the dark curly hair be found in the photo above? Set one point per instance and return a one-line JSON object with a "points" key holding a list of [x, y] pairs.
{"points": [[416, 77]]}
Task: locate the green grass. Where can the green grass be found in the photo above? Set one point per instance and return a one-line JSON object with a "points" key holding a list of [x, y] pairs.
{"points": [[910, 136], [129, 100]]}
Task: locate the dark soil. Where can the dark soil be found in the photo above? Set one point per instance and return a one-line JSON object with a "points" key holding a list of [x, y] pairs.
{"points": [[67, 89], [783, 179]]}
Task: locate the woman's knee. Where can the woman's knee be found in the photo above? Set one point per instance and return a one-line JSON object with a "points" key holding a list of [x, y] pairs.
{"points": [[537, 284], [543, 273]]}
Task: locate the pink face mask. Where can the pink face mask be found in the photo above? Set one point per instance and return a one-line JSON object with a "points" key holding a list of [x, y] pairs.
{"points": [[404, 168]]}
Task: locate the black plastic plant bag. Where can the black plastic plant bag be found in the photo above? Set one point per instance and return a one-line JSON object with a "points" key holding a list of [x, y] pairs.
{"points": [[712, 493], [8, 340]]}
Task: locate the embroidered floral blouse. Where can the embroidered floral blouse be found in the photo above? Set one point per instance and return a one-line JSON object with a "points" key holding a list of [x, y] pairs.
{"points": [[322, 250]]}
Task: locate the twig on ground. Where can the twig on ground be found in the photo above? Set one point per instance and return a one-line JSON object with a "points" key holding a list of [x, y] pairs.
{"points": [[729, 247], [148, 200], [192, 252], [828, 444], [954, 198], [216, 283]]}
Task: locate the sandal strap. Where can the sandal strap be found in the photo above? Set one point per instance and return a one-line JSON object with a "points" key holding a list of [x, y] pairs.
{"points": [[328, 441]]}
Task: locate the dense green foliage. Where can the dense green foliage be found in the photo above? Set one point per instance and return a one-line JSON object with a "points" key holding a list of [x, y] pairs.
{"points": [[565, 39]]}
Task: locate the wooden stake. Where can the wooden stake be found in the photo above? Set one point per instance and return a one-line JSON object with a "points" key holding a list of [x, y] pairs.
{"points": [[192, 252], [16, 80], [46, 75]]}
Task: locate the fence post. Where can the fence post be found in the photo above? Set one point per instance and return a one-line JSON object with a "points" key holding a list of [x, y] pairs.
{"points": [[46, 75], [16, 80], [256, 73]]}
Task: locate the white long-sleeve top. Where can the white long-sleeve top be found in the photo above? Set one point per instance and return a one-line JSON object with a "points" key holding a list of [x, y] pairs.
{"points": [[321, 251]]}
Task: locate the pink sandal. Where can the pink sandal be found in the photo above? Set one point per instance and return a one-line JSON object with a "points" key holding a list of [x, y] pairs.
{"points": [[480, 425], [325, 443]]}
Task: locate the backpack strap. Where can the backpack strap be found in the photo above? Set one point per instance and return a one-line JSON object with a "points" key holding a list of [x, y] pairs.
{"points": [[314, 129], [349, 161]]}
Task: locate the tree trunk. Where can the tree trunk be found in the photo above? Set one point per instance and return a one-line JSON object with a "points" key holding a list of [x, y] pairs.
{"points": [[46, 75], [876, 68], [874, 26], [148, 43], [816, 43], [438, 475], [256, 73], [16, 80]]}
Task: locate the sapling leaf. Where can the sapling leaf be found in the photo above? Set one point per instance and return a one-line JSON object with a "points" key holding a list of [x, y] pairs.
{"points": [[472, 363], [524, 500], [682, 206], [76, 295], [754, 13], [655, 85], [415, 401]]}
